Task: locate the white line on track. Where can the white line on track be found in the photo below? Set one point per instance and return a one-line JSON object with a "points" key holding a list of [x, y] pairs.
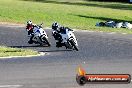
{"points": [[124, 33], [112, 33], [40, 54], [10, 86]]}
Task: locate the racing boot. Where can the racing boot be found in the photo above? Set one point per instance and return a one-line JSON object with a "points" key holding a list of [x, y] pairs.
{"points": [[31, 41], [58, 44]]}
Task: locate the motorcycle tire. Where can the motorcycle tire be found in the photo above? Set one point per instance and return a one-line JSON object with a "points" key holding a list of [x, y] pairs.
{"points": [[30, 42], [46, 41], [74, 45]]}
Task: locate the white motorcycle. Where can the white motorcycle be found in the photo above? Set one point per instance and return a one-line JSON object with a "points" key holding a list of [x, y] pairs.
{"points": [[69, 40], [40, 36]]}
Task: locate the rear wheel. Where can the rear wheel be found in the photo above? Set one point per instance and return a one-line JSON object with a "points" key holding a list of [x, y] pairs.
{"points": [[30, 42]]}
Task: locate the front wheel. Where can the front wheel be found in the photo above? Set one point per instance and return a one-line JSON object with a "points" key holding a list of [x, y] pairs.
{"points": [[74, 45], [45, 40]]}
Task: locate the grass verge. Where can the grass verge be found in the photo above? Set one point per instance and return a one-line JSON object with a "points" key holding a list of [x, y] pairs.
{"points": [[7, 51], [77, 14]]}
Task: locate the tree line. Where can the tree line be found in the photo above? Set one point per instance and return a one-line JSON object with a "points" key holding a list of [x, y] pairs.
{"points": [[111, 0]]}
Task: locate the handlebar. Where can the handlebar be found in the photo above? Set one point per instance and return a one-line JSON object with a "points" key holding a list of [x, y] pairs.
{"points": [[41, 24]]}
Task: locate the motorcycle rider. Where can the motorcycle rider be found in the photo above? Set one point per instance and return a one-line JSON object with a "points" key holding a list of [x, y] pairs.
{"points": [[57, 31], [30, 28], [56, 35]]}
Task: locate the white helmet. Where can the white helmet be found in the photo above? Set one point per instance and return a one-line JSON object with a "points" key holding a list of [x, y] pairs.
{"points": [[29, 22]]}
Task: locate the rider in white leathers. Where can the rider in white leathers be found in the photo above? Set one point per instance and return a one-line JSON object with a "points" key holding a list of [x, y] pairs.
{"points": [[58, 33]]}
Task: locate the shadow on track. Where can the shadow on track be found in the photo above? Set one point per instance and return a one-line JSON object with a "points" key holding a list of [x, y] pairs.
{"points": [[27, 46], [56, 50], [37, 46]]}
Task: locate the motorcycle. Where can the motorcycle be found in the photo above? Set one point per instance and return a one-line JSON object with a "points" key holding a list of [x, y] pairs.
{"points": [[68, 39], [40, 36]]}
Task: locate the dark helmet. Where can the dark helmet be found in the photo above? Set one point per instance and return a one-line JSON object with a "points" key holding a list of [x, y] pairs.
{"points": [[55, 25]]}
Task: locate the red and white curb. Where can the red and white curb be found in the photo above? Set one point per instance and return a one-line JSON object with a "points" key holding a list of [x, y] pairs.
{"points": [[40, 54]]}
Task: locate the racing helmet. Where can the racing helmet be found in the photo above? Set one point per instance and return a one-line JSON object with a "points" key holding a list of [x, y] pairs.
{"points": [[55, 25], [29, 22]]}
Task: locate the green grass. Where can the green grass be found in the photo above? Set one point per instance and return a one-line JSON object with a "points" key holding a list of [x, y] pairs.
{"points": [[77, 14], [7, 51]]}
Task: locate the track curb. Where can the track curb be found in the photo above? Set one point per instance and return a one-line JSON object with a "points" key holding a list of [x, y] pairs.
{"points": [[40, 54]]}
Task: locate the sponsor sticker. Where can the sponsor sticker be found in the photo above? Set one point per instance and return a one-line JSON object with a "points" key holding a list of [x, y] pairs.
{"points": [[83, 78]]}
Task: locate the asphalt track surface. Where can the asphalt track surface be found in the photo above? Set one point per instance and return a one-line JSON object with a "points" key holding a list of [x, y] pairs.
{"points": [[99, 53]]}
